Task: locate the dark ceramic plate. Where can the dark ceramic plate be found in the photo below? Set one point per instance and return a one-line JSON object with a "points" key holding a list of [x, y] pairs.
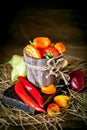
{"points": [[11, 99]]}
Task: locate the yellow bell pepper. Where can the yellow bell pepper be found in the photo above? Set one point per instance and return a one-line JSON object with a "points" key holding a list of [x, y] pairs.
{"points": [[62, 100], [65, 64], [32, 51]]}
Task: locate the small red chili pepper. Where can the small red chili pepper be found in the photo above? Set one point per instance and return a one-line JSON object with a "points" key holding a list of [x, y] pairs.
{"points": [[19, 89], [49, 52], [62, 100], [53, 109], [32, 90]]}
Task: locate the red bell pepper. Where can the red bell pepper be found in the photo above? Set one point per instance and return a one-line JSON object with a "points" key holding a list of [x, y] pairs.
{"points": [[19, 89], [49, 52], [77, 79], [32, 90]]}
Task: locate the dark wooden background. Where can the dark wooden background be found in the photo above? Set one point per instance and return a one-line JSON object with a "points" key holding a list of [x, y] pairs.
{"points": [[60, 21]]}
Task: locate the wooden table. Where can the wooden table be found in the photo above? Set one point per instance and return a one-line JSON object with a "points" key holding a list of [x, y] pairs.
{"points": [[67, 26]]}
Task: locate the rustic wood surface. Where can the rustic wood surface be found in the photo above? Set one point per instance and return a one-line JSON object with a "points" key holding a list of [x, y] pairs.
{"points": [[68, 26]]}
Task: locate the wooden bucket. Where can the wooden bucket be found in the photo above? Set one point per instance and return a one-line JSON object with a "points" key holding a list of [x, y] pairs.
{"points": [[37, 72]]}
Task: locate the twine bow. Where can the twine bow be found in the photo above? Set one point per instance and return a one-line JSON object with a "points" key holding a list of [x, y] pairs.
{"points": [[55, 68]]}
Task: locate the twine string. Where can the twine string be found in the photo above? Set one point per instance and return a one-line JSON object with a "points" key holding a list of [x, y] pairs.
{"points": [[54, 67]]}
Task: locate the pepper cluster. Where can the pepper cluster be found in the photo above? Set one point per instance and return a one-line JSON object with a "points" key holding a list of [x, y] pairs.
{"points": [[59, 101], [24, 89], [76, 83], [42, 47]]}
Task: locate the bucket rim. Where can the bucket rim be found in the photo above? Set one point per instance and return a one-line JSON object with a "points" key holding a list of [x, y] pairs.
{"points": [[43, 59]]}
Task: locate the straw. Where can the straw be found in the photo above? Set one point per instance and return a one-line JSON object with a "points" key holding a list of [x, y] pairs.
{"points": [[13, 116]]}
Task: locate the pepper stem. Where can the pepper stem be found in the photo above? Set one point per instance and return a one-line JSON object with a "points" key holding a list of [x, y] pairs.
{"points": [[31, 42], [68, 102], [48, 55], [15, 78], [53, 112], [59, 85]]}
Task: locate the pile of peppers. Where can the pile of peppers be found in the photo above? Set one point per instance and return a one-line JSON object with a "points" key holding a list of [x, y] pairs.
{"points": [[30, 95], [33, 98], [42, 47]]}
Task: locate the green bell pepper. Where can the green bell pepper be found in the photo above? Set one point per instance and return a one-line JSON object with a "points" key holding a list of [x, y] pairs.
{"points": [[18, 67]]}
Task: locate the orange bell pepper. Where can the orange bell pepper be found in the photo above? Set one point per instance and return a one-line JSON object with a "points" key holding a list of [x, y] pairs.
{"points": [[53, 110], [62, 100], [32, 51], [60, 47], [50, 89], [41, 42]]}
